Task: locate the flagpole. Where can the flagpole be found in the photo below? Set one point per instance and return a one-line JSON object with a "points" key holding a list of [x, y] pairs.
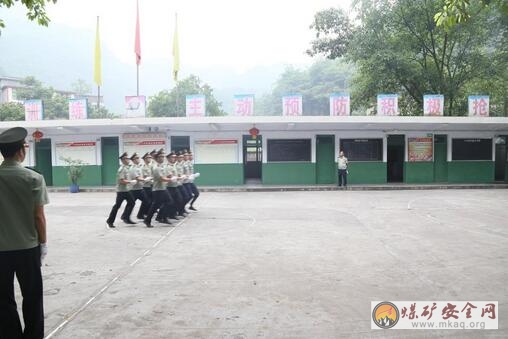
{"points": [[97, 66], [137, 48], [176, 65]]}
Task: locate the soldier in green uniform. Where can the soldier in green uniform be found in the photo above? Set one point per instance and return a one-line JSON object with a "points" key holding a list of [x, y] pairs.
{"points": [[190, 170], [22, 239], [181, 176], [137, 192], [122, 193], [147, 172], [177, 207], [160, 196]]}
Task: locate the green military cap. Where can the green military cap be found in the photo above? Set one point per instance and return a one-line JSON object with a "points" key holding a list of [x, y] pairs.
{"points": [[172, 154], [13, 135], [124, 155], [153, 153], [161, 153], [134, 155], [146, 155]]}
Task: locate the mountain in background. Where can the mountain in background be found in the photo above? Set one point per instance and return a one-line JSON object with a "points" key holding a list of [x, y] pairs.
{"points": [[59, 55]]}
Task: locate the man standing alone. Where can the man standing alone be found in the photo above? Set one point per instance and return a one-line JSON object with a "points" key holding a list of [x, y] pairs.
{"points": [[342, 166], [22, 238]]}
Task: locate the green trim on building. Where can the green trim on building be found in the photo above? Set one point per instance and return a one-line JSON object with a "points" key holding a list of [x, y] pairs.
{"points": [[219, 174], [92, 176], [419, 172], [289, 173], [366, 172], [470, 171]]}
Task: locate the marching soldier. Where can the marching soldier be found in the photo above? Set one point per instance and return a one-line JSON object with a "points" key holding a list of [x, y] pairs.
{"points": [[194, 189], [173, 188], [160, 196], [122, 193], [180, 173], [147, 171], [136, 176]]}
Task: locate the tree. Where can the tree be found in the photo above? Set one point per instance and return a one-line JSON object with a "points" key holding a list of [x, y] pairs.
{"points": [[172, 103], [455, 12], [81, 88], [102, 113], [36, 10], [315, 84], [56, 105], [12, 111], [398, 48]]}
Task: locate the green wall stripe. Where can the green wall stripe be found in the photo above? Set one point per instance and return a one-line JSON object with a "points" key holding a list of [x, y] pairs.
{"points": [[470, 171], [289, 173], [219, 174], [366, 172], [419, 172], [91, 176]]}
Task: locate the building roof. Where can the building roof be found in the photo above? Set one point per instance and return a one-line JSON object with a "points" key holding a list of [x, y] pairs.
{"points": [[387, 124]]}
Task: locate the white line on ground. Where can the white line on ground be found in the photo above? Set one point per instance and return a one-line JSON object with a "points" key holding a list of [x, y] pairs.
{"points": [[70, 317]]}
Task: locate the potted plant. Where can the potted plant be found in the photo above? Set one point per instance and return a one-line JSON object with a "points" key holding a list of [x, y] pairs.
{"points": [[74, 171]]}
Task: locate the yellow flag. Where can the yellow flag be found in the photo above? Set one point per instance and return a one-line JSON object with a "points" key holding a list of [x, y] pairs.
{"points": [[97, 74], [176, 52]]}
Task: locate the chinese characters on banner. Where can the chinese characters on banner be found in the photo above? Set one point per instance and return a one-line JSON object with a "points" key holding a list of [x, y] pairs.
{"points": [[478, 105], [195, 105], [34, 110], [387, 104], [243, 105], [77, 109], [419, 149], [292, 105], [437, 315], [339, 104], [143, 142], [433, 104], [135, 106]]}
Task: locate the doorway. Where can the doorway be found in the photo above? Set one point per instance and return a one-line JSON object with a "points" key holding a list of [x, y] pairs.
{"points": [[43, 162], [325, 159], [110, 162], [501, 157], [440, 159], [252, 159], [395, 158]]}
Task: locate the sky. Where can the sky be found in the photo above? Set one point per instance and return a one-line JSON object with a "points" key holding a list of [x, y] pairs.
{"points": [[235, 34]]}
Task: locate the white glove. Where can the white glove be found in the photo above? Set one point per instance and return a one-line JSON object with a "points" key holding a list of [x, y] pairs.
{"points": [[44, 251], [148, 179], [174, 179], [133, 181], [196, 175], [191, 177]]}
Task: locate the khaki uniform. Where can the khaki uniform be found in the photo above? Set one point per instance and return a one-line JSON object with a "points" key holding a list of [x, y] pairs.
{"points": [[23, 195], [26, 189]]}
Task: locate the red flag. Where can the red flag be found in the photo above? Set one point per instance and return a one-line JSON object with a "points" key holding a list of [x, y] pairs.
{"points": [[137, 42]]}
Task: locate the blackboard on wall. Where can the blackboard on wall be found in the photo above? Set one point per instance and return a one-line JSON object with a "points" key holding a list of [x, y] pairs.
{"points": [[362, 149], [289, 149], [472, 149]]}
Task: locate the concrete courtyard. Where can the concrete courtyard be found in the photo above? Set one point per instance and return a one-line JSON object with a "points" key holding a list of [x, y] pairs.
{"points": [[273, 264]]}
